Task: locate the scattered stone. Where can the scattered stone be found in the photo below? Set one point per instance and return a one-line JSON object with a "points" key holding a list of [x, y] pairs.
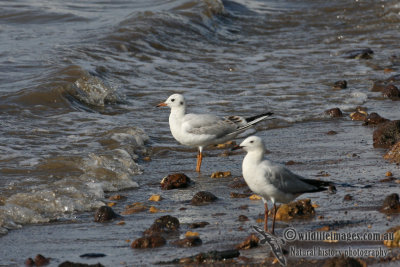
{"points": [[348, 197], [155, 198], [396, 237], [299, 209], [187, 242], [344, 262], [254, 197], [134, 208], [121, 223], [334, 112], [73, 264], [331, 133], [206, 257], [250, 242], [173, 181], [153, 209], [374, 119], [105, 214], [221, 174], [340, 85], [387, 134], [111, 204], [365, 53], [238, 183], [92, 255], [291, 162], [228, 144], [388, 174], [358, 116], [243, 218], [153, 241], [244, 207], [40, 260], [391, 92], [239, 195], [325, 228], [191, 234], [391, 204], [203, 198], [116, 197], [164, 224], [198, 225], [387, 179]]}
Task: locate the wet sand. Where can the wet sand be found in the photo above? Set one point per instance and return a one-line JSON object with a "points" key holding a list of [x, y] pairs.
{"points": [[344, 158]]}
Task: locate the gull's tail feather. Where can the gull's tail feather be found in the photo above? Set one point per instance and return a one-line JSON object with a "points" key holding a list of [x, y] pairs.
{"points": [[260, 116], [319, 185], [251, 121]]}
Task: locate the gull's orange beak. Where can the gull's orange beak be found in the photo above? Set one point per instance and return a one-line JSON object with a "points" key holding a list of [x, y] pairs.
{"points": [[162, 105]]}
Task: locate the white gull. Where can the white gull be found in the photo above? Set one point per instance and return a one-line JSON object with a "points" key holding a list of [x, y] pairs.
{"points": [[201, 130], [273, 181]]}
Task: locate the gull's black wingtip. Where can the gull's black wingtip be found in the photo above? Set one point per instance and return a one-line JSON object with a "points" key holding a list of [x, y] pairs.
{"points": [[250, 119]]}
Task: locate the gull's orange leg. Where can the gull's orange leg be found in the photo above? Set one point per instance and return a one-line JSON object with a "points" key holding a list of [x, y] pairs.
{"points": [[273, 221], [266, 217], [199, 159]]}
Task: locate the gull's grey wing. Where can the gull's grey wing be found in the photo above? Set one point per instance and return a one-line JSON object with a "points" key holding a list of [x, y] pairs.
{"points": [[289, 182], [204, 124]]}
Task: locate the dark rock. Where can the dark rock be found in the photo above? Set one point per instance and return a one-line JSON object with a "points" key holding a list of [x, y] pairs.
{"points": [[176, 180], [153, 241], [164, 224], [73, 264], [187, 242], [391, 204], [239, 195], [391, 92], [343, 262], [387, 134], [374, 119], [202, 198], [29, 262], [104, 214], [365, 53], [331, 133], [334, 112], [298, 209], [206, 257], [243, 218], [340, 85], [348, 197], [40, 260], [238, 183], [198, 225], [92, 255], [291, 162], [332, 189], [393, 155], [250, 242]]}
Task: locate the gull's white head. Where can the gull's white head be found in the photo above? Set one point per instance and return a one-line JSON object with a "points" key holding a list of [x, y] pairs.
{"points": [[252, 143], [174, 101]]}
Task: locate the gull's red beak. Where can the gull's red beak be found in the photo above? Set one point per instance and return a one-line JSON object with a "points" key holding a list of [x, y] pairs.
{"points": [[162, 105]]}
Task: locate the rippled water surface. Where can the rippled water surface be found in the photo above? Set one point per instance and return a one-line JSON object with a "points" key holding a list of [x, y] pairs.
{"points": [[79, 82]]}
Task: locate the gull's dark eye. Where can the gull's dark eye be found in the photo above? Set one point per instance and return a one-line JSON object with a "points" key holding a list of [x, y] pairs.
{"points": [[181, 103], [251, 141], [173, 99]]}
